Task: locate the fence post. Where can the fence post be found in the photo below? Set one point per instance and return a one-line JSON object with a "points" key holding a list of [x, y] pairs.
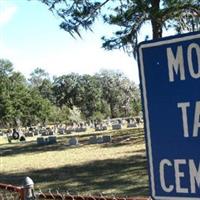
{"points": [[28, 189]]}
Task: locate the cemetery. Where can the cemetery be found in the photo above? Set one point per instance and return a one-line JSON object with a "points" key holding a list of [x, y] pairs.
{"points": [[89, 159], [62, 129]]}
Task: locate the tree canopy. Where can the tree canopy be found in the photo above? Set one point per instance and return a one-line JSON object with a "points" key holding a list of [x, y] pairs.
{"points": [[19, 104], [67, 98], [128, 16]]}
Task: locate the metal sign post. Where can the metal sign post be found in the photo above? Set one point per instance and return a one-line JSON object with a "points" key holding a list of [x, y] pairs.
{"points": [[170, 84]]}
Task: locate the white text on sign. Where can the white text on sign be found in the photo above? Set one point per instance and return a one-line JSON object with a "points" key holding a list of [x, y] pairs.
{"points": [[175, 165], [176, 63]]}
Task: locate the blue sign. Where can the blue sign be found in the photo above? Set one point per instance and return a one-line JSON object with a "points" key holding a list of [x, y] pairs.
{"points": [[170, 84]]}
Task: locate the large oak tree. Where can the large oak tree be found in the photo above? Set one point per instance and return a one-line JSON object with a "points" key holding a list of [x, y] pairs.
{"points": [[128, 15]]}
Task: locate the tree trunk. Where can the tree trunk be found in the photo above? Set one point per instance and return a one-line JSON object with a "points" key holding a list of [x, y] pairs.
{"points": [[156, 20], [112, 110]]}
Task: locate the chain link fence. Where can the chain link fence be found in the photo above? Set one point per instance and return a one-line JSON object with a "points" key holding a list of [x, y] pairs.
{"points": [[26, 192], [9, 192], [62, 196]]}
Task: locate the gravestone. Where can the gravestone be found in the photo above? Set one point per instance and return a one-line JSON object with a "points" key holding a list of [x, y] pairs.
{"points": [[116, 126], [139, 120], [61, 131], [68, 131], [84, 129], [46, 140], [107, 138], [51, 132], [99, 139], [41, 141], [132, 125], [36, 132], [97, 128], [92, 125], [29, 134], [22, 138], [44, 133], [52, 140], [93, 139], [100, 128], [80, 129], [73, 141]]}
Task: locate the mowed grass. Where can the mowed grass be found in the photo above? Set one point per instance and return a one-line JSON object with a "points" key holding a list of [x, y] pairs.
{"points": [[117, 168]]}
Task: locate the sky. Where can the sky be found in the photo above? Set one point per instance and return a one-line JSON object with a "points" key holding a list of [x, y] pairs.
{"points": [[30, 37]]}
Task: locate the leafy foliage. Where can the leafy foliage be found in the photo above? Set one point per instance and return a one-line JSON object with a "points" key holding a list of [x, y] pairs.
{"points": [[66, 98], [117, 92], [19, 104], [37, 77], [128, 16]]}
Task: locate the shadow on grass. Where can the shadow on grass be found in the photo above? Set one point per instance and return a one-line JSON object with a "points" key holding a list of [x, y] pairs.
{"points": [[123, 141], [29, 147], [122, 177]]}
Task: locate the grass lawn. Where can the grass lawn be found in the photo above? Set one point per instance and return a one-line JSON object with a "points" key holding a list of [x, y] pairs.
{"points": [[117, 168]]}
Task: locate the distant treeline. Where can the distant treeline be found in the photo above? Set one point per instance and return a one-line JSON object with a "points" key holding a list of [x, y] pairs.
{"points": [[67, 98]]}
